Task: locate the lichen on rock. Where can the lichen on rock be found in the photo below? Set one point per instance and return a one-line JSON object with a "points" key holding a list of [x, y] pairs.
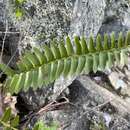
{"points": [[47, 19]]}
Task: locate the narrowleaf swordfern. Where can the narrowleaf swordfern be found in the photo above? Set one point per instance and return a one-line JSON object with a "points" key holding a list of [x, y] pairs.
{"points": [[42, 66]]}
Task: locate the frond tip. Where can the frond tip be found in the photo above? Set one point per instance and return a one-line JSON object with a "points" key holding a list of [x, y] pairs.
{"points": [[42, 66]]}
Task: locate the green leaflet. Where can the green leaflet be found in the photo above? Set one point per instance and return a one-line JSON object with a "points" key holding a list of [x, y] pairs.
{"points": [[95, 62], [21, 66], [67, 65], [40, 56], [40, 76], [46, 74], [124, 57], [113, 45], [110, 61], [103, 57], [62, 49], [48, 53], [89, 64], [91, 44], [6, 115], [7, 70], [81, 64], [78, 45], [32, 58], [99, 43], [20, 82], [117, 57], [106, 44], [84, 46], [127, 39], [55, 51], [28, 80], [74, 65], [24, 64], [54, 68], [13, 83], [60, 68], [38, 68], [69, 46], [120, 40]]}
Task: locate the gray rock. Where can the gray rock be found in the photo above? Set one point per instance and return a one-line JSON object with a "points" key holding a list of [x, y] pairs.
{"points": [[87, 17], [34, 100], [117, 15], [54, 19], [82, 112]]}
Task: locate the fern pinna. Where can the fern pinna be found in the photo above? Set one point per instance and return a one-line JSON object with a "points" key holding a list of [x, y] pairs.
{"points": [[42, 66]]}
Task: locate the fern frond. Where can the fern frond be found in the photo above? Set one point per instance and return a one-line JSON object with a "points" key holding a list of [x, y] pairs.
{"points": [[42, 66]]}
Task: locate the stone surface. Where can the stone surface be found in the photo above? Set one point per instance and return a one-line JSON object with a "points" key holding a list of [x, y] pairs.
{"points": [[117, 17], [34, 100], [49, 19], [119, 79], [89, 109]]}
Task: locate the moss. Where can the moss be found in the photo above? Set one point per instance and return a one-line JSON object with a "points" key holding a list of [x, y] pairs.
{"points": [[18, 8]]}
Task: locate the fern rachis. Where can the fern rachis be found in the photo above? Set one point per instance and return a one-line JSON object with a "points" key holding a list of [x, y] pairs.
{"points": [[41, 67]]}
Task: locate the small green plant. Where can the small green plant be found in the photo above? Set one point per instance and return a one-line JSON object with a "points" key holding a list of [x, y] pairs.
{"points": [[18, 8], [10, 122], [42, 66], [41, 126]]}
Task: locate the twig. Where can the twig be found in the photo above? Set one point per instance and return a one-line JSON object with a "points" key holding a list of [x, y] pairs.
{"points": [[3, 44], [103, 104], [8, 32], [50, 107], [11, 58]]}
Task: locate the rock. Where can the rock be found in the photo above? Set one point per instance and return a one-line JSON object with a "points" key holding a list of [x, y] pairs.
{"points": [[90, 107], [78, 115], [120, 81], [87, 17], [34, 100], [119, 124], [54, 19], [117, 15], [61, 85], [116, 80]]}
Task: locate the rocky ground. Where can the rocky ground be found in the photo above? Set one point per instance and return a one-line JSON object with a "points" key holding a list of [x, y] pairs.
{"points": [[98, 101]]}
